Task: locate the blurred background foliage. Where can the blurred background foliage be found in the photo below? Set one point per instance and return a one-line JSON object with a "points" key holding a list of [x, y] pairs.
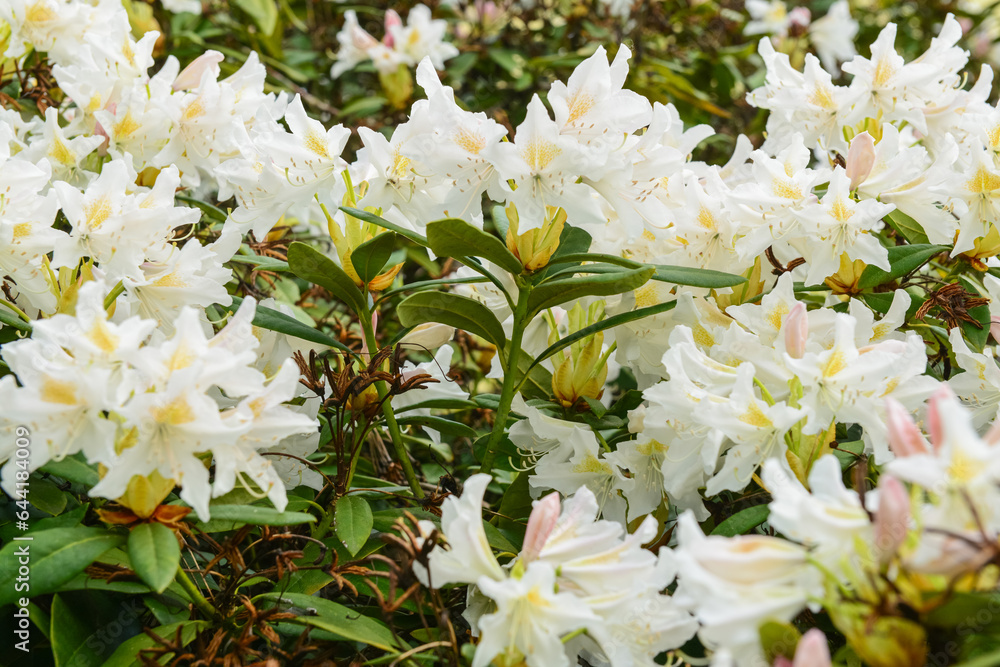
{"points": [[692, 53]]}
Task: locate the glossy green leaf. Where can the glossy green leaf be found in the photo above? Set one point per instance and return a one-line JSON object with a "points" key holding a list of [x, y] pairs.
{"points": [[909, 228], [262, 263], [259, 516], [9, 318], [69, 632], [127, 652], [556, 292], [310, 264], [155, 554], [679, 275], [454, 310], [977, 336], [385, 224], [370, 257], [743, 521], [902, 260], [452, 237], [338, 620], [46, 496], [56, 556], [74, 469], [353, 520], [275, 320]]}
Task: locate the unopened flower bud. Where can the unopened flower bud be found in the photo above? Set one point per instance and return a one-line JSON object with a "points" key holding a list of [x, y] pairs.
{"points": [[542, 521], [429, 335], [892, 520], [813, 650], [191, 76], [995, 328], [392, 20], [905, 439], [941, 399], [535, 247], [796, 331], [860, 159]]}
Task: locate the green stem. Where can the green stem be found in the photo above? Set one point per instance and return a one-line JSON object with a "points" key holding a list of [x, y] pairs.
{"points": [[390, 416], [510, 381], [203, 605], [17, 311], [109, 300]]}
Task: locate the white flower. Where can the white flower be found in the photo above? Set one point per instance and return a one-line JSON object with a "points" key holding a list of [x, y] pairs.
{"points": [[733, 585], [828, 516], [468, 558], [530, 619]]}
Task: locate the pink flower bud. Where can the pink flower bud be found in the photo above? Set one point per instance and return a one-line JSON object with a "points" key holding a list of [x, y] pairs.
{"points": [[995, 328], [813, 650], [190, 77], [938, 401], [361, 40], [800, 17], [905, 439], [860, 159], [392, 20], [892, 520], [543, 519], [796, 331]]}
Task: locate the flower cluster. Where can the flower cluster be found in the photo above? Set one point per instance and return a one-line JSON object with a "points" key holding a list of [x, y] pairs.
{"points": [[575, 573], [404, 45], [145, 409]]}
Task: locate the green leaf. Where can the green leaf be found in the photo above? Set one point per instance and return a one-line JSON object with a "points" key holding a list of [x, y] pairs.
{"points": [[155, 554], [74, 469], [421, 285], [127, 653], [385, 224], [679, 275], [902, 260], [538, 383], [310, 264], [274, 320], [213, 212], [69, 634], [338, 620], [515, 506], [978, 336], [370, 257], [441, 425], [743, 521], [262, 263], [440, 404], [11, 319], [452, 237], [555, 292], [353, 520], [259, 516], [263, 12], [497, 540], [778, 639], [46, 496], [848, 452], [907, 226], [56, 556], [454, 310]]}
